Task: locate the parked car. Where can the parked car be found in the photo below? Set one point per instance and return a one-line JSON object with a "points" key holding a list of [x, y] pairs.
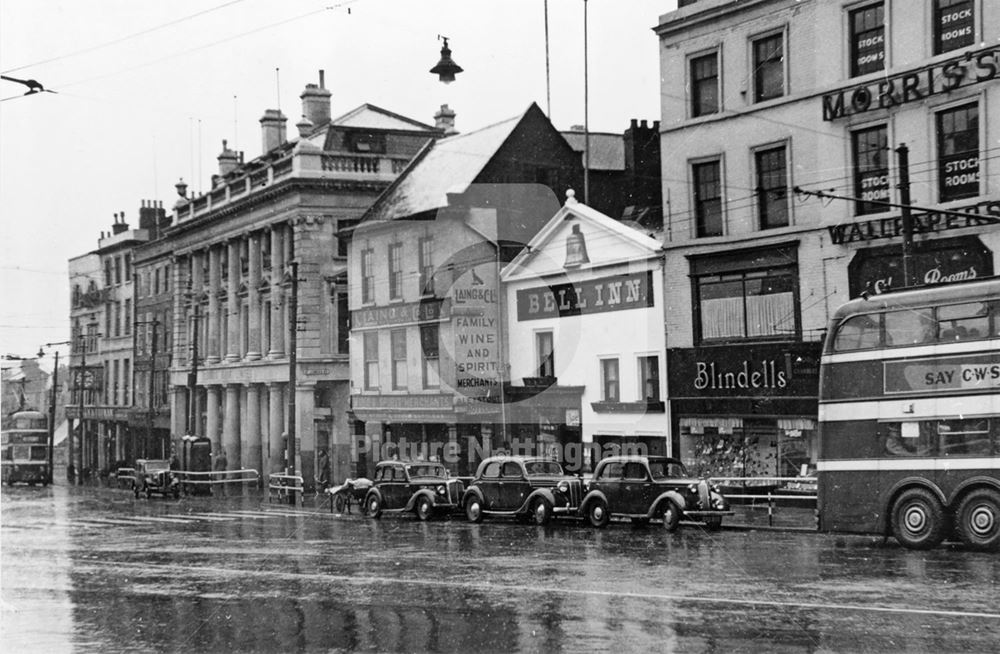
{"points": [[421, 487], [522, 487], [647, 487], [155, 476]]}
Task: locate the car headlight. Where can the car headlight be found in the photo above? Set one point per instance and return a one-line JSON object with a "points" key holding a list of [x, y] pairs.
{"points": [[563, 487], [441, 490]]}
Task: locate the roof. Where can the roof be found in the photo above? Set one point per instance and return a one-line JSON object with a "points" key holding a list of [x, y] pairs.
{"points": [[607, 151], [373, 117], [447, 165], [637, 243]]}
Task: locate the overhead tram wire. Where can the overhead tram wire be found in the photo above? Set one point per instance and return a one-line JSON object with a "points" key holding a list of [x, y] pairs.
{"points": [[212, 44], [122, 39]]}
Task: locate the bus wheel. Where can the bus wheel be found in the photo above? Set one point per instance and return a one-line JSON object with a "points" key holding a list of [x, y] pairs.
{"points": [[918, 520], [979, 520]]}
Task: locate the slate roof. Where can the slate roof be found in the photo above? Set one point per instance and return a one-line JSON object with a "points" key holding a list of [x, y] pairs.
{"points": [[607, 151], [374, 117], [450, 164]]}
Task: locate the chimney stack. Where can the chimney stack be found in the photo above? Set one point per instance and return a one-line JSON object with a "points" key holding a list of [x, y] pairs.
{"points": [[272, 125], [228, 160], [119, 227], [444, 120], [316, 102]]}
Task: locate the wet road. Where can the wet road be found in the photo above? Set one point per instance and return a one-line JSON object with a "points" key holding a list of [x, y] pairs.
{"points": [[95, 570]]}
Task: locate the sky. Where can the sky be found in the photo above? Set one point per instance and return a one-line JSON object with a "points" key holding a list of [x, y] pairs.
{"points": [[146, 91]]}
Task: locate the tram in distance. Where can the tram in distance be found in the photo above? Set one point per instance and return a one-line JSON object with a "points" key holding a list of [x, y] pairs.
{"points": [[26, 452], [909, 416]]}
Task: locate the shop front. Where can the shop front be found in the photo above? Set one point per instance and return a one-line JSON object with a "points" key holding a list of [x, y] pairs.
{"points": [[745, 410], [940, 261]]}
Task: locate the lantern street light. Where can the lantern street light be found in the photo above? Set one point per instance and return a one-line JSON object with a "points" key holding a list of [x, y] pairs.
{"points": [[446, 68]]}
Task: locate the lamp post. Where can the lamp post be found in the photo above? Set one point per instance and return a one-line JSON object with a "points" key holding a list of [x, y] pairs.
{"points": [[52, 404]]}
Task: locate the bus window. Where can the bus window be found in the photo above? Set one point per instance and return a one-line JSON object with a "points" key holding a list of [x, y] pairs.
{"points": [[39, 453], [965, 437], [858, 333], [961, 322], [918, 440], [6, 454], [910, 327]]}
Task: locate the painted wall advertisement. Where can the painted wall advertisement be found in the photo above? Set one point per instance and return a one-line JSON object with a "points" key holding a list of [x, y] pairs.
{"points": [[475, 347]]}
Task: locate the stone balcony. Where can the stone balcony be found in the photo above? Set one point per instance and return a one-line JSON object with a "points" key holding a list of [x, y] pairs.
{"points": [[299, 163]]}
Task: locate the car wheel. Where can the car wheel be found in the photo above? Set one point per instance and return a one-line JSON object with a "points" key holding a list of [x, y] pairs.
{"points": [[373, 506], [713, 523], [597, 513], [541, 511], [979, 520], [671, 516], [918, 520], [425, 508], [474, 509], [339, 503]]}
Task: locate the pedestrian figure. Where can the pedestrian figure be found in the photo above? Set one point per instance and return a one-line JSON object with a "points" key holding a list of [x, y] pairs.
{"points": [[220, 465], [322, 471]]}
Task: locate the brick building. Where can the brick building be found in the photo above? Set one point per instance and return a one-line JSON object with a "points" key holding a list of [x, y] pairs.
{"points": [[780, 94]]}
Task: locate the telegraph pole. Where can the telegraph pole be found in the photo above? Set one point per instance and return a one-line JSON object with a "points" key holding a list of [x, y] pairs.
{"points": [[903, 161]]}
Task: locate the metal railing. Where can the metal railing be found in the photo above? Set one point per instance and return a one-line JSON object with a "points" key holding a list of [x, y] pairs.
{"points": [[244, 475], [773, 490], [284, 486]]}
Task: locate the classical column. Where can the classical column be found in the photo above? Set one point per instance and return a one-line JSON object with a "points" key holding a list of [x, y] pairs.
{"points": [[277, 293], [213, 397], [251, 439], [253, 309], [231, 426], [214, 310], [276, 428], [178, 412], [233, 353]]}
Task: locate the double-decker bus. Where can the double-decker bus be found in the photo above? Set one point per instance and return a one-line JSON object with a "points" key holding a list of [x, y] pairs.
{"points": [[909, 415], [25, 448]]}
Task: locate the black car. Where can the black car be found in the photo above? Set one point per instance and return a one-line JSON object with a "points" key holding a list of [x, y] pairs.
{"points": [[522, 487], [647, 487], [421, 487], [154, 476]]}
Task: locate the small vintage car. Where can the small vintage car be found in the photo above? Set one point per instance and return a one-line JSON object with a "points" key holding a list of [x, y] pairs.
{"points": [[155, 476], [421, 487], [647, 487], [522, 487]]}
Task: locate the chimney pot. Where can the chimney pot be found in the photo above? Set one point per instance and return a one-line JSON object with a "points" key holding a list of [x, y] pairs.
{"points": [[444, 120], [644, 124], [273, 129], [316, 101]]}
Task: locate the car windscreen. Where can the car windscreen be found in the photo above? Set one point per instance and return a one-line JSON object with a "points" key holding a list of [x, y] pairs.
{"points": [[157, 466], [427, 471], [667, 470], [543, 468]]}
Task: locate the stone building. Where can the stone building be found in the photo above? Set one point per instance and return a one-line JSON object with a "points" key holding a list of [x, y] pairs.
{"points": [[232, 284], [428, 365], [101, 354], [780, 94]]}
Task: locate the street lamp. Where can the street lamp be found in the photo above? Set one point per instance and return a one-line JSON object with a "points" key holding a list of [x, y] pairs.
{"points": [[52, 404], [446, 68]]}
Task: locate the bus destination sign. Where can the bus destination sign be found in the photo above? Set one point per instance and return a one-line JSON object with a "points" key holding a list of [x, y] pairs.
{"points": [[943, 374]]}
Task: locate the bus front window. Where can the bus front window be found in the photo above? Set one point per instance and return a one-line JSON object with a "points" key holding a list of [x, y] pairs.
{"points": [[858, 333]]}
